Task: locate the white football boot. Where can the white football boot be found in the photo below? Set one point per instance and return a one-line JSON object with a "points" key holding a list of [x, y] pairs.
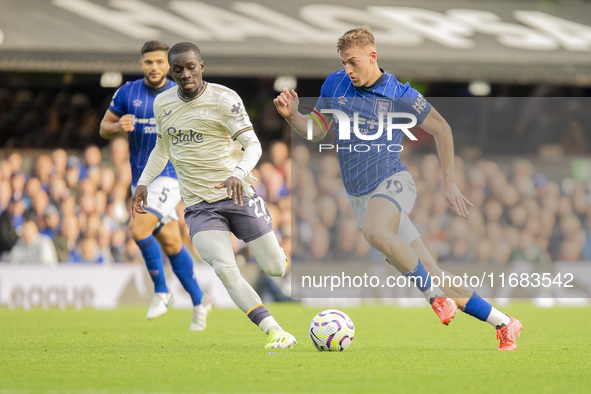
{"points": [[200, 312], [159, 305]]}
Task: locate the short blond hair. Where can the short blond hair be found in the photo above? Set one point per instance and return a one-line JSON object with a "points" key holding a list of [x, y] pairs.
{"points": [[360, 36]]}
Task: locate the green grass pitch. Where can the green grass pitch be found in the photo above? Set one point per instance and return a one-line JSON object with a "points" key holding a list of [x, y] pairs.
{"points": [[395, 350]]}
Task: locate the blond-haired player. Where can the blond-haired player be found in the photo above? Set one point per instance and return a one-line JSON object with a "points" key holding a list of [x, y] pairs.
{"points": [[380, 188]]}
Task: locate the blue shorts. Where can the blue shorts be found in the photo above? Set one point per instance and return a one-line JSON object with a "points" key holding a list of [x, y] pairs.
{"points": [[247, 223]]}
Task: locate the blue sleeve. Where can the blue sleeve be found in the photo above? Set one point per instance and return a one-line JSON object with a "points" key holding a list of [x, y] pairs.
{"points": [[118, 104], [325, 92], [411, 101]]}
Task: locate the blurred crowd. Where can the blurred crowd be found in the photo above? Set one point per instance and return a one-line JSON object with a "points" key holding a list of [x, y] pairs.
{"points": [[79, 204], [59, 207], [47, 119], [72, 205], [69, 208], [519, 214]]}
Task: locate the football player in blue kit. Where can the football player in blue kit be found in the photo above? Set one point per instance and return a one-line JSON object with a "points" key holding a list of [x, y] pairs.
{"points": [[380, 188], [131, 113]]}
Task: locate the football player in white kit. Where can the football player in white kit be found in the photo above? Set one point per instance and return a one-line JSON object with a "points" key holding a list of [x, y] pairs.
{"points": [[202, 128], [131, 114]]}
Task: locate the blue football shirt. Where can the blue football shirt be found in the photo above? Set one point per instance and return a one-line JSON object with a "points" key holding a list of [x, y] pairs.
{"points": [[137, 99], [363, 170]]}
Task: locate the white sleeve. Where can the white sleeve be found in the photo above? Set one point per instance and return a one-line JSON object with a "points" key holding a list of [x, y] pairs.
{"points": [[156, 163], [251, 156]]}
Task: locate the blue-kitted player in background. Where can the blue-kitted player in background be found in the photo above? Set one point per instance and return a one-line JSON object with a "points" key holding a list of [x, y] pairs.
{"points": [[380, 188], [131, 112]]}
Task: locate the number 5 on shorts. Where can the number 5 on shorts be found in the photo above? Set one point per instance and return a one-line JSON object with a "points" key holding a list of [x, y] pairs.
{"points": [[164, 194]]}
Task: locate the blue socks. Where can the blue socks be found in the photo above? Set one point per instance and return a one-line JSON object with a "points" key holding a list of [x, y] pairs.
{"points": [[153, 258], [182, 266], [478, 307], [420, 277]]}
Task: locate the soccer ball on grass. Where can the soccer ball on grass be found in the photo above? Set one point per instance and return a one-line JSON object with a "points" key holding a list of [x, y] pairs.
{"points": [[332, 330]]}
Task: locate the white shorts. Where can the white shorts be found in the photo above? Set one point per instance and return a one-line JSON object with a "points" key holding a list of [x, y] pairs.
{"points": [[163, 196], [401, 190]]}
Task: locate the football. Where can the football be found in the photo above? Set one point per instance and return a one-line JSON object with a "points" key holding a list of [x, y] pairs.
{"points": [[332, 330]]}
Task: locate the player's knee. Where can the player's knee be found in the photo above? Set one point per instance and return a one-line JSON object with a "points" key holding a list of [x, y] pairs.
{"points": [[227, 274], [269, 255], [138, 232], [277, 269], [374, 235], [140, 229], [170, 246], [275, 263]]}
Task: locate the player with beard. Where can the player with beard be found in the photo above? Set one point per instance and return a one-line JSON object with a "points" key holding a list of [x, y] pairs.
{"points": [[131, 113]]}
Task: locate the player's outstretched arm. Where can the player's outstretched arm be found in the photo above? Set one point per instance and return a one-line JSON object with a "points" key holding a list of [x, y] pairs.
{"points": [[139, 200], [438, 127], [112, 125], [287, 104]]}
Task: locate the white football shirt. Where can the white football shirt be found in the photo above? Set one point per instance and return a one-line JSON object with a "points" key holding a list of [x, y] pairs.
{"points": [[199, 137]]}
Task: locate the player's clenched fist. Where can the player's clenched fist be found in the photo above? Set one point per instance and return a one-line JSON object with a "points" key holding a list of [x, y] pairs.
{"points": [[126, 123]]}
